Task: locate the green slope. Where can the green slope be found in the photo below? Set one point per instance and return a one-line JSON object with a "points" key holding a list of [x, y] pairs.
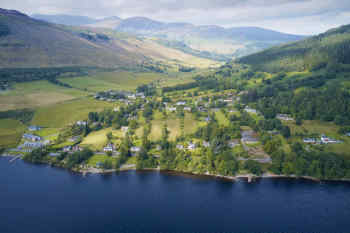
{"points": [[330, 49]]}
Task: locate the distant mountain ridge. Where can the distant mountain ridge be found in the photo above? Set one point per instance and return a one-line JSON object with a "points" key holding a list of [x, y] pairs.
{"points": [[30, 43], [226, 43]]}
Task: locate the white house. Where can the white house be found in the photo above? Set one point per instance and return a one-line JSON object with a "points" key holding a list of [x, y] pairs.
{"points": [[135, 149], [310, 140], [191, 146], [125, 128], [206, 144], [284, 117], [81, 123], [179, 147], [250, 110], [188, 109], [181, 103], [171, 109], [31, 137], [109, 148], [34, 128]]}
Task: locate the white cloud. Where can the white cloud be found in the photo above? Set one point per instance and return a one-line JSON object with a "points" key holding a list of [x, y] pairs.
{"points": [[293, 16]]}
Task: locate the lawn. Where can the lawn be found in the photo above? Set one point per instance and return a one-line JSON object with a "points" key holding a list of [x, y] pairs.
{"points": [[99, 158], [96, 140], [113, 80], [11, 132], [36, 94], [61, 114], [220, 116]]}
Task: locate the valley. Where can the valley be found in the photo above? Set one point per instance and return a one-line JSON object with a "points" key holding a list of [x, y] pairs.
{"points": [[100, 99]]}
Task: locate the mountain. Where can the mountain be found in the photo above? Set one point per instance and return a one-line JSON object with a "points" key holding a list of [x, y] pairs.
{"points": [[27, 42], [211, 41], [71, 20], [109, 22], [230, 42], [331, 48]]}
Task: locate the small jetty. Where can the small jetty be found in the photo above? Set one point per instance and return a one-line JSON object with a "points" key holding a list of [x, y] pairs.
{"points": [[15, 158]]}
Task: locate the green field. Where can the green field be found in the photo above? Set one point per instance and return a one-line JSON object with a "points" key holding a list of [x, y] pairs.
{"points": [[10, 132], [36, 94], [61, 114]]}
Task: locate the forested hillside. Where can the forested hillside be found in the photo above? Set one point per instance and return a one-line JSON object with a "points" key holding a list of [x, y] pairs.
{"points": [[328, 50]]}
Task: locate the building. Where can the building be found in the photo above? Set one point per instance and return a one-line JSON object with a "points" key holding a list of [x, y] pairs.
{"points": [[31, 137], [67, 148], [206, 144], [32, 145], [125, 128], [327, 140], [284, 117], [348, 134], [250, 110], [191, 146], [34, 128], [82, 123], [171, 109], [188, 109], [249, 137], [109, 148], [233, 143], [207, 119], [179, 147], [181, 103], [135, 149], [310, 140]]}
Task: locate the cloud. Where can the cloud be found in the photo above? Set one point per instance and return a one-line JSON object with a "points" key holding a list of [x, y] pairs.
{"points": [[293, 16]]}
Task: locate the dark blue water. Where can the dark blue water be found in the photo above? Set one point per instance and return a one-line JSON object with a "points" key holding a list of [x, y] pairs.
{"points": [[49, 200]]}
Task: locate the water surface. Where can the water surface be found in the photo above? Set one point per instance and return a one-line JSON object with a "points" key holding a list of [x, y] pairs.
{"points": [[38, 198]]}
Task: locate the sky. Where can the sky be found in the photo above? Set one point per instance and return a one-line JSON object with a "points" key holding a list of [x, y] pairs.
{"points": [[306, 17]]}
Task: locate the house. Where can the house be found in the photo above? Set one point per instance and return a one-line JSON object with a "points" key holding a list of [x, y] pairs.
{"points": [[179, 147], [284, 117], [135, 149], [327, 140], [181, 103], [67, 148], [76, 148], [81, 123], [32, 145], [115, 109], [348, 134], [141, 95], [99, 164], [34, 128], [207, 119], [206, 144], [31, 137], [109, 148], [191, 146], [309, 140], [158, 147], [188, 109], [228, 100], [249, 137], [54, 154], [171, 109], [233, 143], [125, 128], [132, 96], [74, 139], [250, 110]]}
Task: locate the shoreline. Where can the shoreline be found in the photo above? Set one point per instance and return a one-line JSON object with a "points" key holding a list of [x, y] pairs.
{"points": [[250, 177]]}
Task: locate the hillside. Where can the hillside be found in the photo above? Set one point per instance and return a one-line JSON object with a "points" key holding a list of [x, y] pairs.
{"points": [[27, 42], [328, 49], [70, 20], [210, 41]]}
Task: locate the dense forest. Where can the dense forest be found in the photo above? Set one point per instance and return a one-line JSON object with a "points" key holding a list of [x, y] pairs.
{"points": [[330, 49]]}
